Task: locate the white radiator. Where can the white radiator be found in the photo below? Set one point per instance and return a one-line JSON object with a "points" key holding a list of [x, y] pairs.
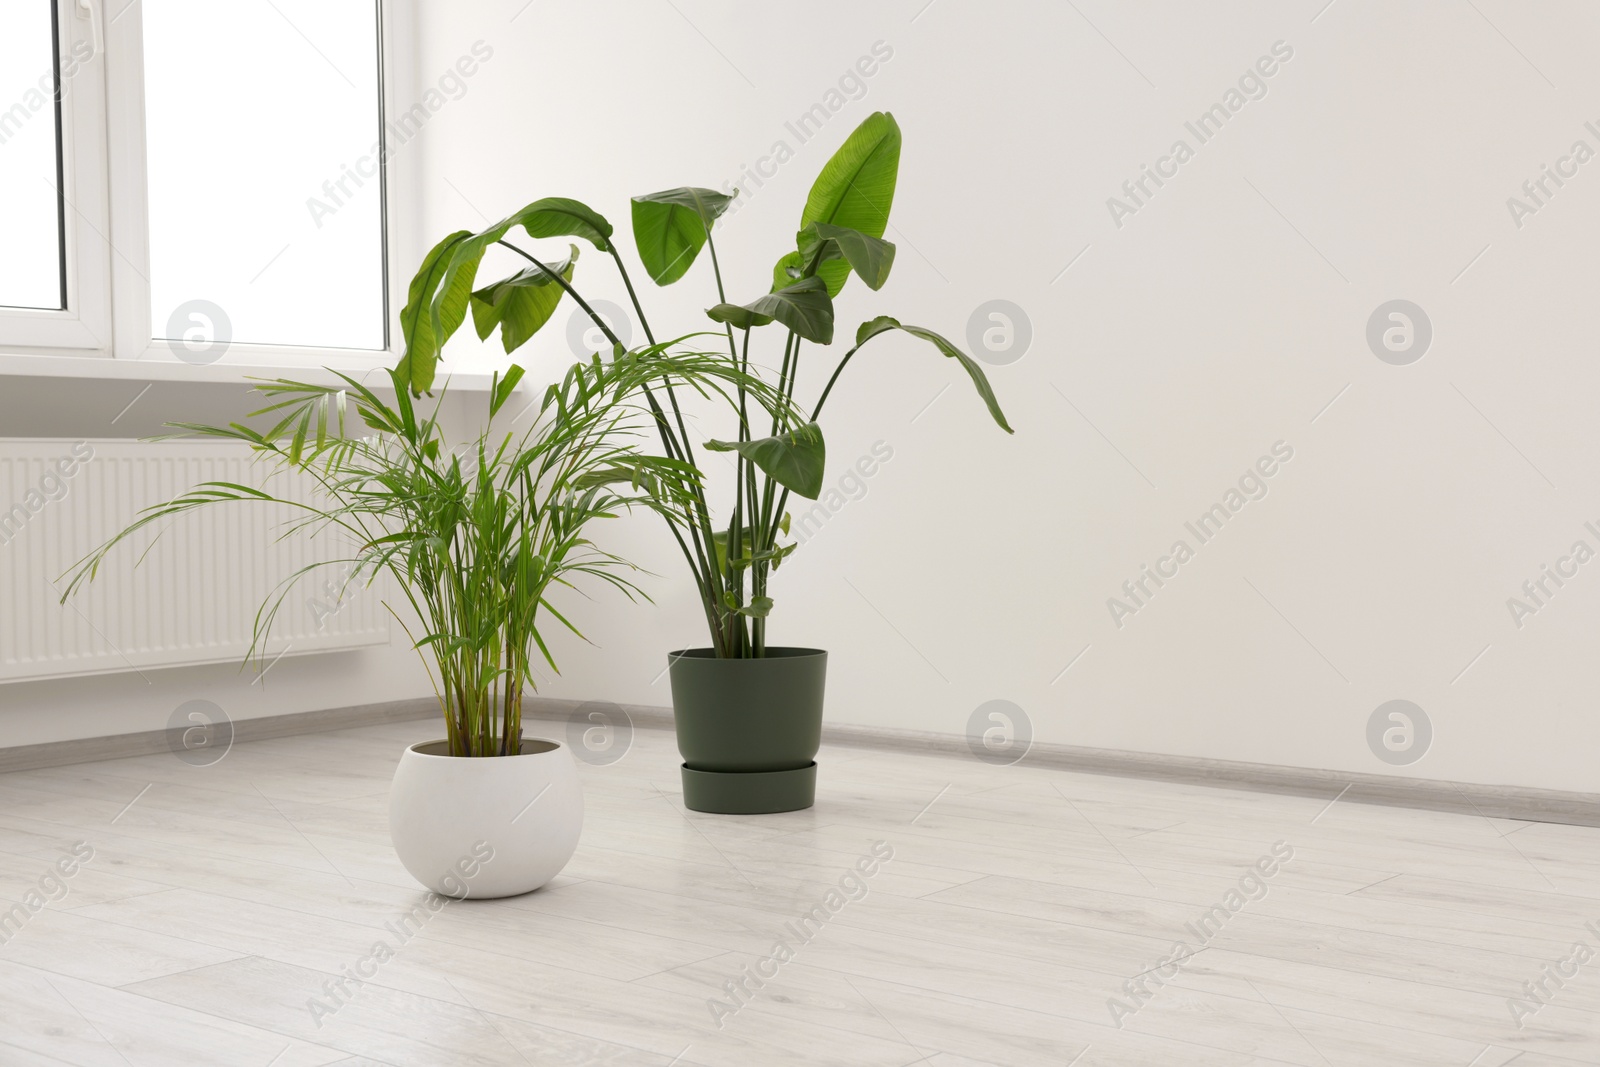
{"points": [[193, 598]]}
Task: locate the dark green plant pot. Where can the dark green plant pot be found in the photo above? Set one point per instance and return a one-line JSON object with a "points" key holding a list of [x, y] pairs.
{"points": [[749, 729]]}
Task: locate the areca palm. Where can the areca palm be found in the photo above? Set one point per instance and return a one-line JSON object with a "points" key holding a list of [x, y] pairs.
{"points": [[477, 540]]}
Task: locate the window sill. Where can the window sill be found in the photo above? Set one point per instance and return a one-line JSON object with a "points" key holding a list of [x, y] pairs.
{"points": [[359, 366]]}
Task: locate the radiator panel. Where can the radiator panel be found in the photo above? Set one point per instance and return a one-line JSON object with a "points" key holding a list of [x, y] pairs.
{"points": [[192, 598]]}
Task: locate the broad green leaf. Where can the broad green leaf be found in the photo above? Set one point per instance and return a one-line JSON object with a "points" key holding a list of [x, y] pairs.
{"points": [[520, 304], [706, 204], [803, 306], [737, 317], [794, 460], [669, 229], [417, 323], [448, 293], [870, 257], [557, 216], [786, 271], [856, 187], [873, 327], [980, 381]]}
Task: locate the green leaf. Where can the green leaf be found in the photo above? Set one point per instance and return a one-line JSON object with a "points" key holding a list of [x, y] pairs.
{"points": [[503, 388], [786, 271], [669, 229], [758, 608], [557, 216], [870, 257], [873, 327], [416, 327], [634, 477], [856, 187], [706, 204], [720, 540], [794, 460], [447, 292], [804, 307], [520, 304], [883, 323], [737, 317]]}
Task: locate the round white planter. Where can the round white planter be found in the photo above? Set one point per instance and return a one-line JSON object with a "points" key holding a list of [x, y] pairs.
{"points": [[489, 826]]}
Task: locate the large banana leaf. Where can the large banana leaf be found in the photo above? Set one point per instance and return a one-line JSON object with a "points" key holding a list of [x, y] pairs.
{"points": [[669, 229], [794, 460], [870, 257], [448, 291], [856, 187], [417, 328], [520, 304], [557, 216], [804, 307], [980, 381]]}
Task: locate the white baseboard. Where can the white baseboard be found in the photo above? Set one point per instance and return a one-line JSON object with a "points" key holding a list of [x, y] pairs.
{"points": [[149, 742], [1495, 801]]}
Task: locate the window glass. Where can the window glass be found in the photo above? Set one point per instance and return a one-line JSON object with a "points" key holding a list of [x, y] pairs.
{"points": [[32, 270], [263, 129]]}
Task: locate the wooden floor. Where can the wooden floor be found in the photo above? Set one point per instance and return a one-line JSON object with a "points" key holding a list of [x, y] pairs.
{"points": [[220, 902]]}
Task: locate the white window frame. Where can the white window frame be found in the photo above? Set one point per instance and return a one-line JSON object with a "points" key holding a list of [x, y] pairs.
{"points": [[84, 328], [108, 225]]}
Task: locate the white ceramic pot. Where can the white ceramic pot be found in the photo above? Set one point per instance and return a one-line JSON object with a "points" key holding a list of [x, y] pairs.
{"points": [[492, 826]]}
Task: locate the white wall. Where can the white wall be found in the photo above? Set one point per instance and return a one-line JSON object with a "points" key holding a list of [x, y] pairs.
{"points": [[1220, 318]]}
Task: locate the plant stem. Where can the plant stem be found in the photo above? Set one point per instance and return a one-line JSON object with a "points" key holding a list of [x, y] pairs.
{"points": [[823, 399], [710, 589], [706, 576]]}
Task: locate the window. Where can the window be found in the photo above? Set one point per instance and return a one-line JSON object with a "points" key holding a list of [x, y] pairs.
{"points": [[196, 181], [31, 274], [54, 284], [258, 216]]}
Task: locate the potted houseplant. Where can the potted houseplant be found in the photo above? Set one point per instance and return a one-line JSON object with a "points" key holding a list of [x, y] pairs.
{"points": [[476, 540], [748, 714]]}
